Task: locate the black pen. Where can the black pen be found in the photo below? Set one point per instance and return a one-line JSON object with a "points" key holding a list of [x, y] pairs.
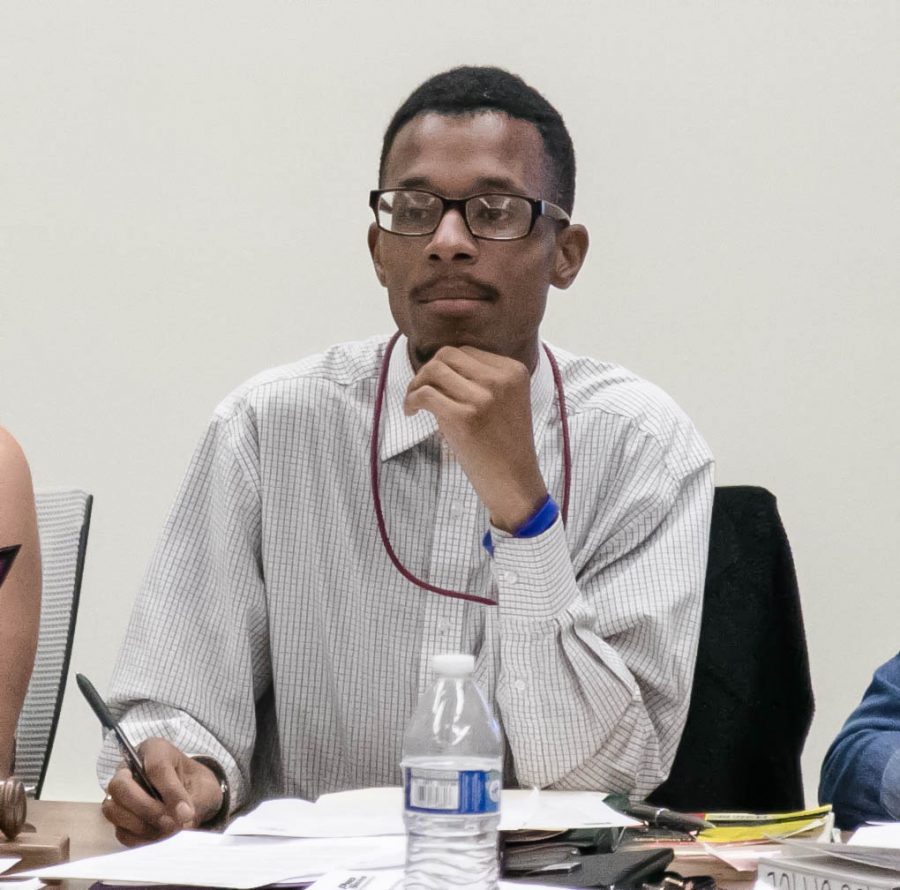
{"points": [[666, 818], [132, 758]]}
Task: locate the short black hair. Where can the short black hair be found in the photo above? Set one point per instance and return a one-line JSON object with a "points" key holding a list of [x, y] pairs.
{"points": [[469, 90]]}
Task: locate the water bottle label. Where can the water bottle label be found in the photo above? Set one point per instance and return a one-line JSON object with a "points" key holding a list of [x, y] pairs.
{"points": [[462, 792]]}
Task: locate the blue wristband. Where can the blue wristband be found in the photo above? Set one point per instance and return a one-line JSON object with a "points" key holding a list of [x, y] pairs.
{"points": [[538, 522]]}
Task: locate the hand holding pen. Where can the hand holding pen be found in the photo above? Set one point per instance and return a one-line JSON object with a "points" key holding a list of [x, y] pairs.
{"points": [[132, 758], [158, 790]]}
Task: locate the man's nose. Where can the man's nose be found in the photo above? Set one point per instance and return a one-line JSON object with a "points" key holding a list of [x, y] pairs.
{"points": [[452, 241]]}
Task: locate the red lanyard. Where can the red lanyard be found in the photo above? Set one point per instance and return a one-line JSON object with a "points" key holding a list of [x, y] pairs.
{"points": [[373, 468]]}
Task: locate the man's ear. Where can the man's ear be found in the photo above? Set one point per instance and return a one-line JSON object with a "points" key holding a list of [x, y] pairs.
{"points": [[571, 249], [375, 251]]}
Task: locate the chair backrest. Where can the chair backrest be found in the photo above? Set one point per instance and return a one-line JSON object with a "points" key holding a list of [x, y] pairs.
{"points": [[751, 704], [63, 523]]}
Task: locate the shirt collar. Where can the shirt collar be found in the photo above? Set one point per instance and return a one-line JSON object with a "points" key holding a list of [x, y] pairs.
{"points": [[399, 433]]}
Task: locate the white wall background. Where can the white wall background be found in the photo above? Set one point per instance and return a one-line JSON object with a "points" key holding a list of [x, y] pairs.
{"points": [[183, 203]]}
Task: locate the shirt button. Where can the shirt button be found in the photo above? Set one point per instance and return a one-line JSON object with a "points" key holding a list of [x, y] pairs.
{"points": [[510, 577], [520, 685], [456, 508]]}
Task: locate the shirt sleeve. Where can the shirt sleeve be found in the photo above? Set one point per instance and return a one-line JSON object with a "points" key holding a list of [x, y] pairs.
{"points": [[598, 650], [861, 773], [195, 659]]}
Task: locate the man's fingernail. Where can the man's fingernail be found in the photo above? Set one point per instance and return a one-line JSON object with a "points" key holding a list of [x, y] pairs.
{"points": [[185, 812], [166, 824]]}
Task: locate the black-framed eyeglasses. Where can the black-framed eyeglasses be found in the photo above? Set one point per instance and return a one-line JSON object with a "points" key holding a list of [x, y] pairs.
{"points": [[493, 216]]}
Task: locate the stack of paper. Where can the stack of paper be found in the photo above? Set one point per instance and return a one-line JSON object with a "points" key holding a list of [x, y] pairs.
{"points": [[214, 860], [806, 863], [391, 880], [732, 828], [379, 811], [296, 841], [16, 883]]}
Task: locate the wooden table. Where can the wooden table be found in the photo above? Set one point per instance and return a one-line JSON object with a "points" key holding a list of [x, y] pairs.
{"points": [[89, 833]]}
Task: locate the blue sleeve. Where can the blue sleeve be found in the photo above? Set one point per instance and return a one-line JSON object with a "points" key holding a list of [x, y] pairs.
{"points": [[861, 772]]}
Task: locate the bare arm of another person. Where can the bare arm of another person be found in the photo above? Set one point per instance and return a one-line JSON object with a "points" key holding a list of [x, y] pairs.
{"points": [[20, 596]]}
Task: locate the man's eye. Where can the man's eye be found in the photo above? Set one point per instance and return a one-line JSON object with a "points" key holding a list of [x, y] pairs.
{"points": [[492, 214], [411, 214]]}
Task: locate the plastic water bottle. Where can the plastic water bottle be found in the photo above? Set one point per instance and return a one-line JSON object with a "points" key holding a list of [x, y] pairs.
{"points": [[452, 767]]}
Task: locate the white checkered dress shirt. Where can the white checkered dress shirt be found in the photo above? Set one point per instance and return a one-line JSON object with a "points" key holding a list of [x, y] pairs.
{"points": [[273, 633]]}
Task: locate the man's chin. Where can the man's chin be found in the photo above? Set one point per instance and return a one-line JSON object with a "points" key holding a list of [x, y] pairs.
{"points": [[422, 353]]}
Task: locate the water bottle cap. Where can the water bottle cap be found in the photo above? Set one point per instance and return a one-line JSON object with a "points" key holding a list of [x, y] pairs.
{"points": [[452, 664]]}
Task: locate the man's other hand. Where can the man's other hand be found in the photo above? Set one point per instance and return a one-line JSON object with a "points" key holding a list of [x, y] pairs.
{"points": [[482, 403], [190, 793]]}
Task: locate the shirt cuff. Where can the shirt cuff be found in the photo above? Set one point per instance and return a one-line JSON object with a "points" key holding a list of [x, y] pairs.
{"points": [[153, 719], [534, 576], [536, 524]]}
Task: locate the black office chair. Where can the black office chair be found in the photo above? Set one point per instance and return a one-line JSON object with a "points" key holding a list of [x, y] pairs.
{"points": [[752, 701]]}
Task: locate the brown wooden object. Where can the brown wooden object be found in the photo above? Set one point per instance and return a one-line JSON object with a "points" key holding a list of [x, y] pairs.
{"points": [[12, 807], [21, 840]]}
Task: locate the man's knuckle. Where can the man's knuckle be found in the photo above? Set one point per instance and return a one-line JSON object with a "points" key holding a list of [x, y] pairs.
{"points": [[514, 375], [153, 747], [156, 764], [497, 387], [471, 413]]}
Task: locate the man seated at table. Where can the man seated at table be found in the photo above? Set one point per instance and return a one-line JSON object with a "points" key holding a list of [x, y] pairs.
{"points": [[330, 536], [861, 772]]}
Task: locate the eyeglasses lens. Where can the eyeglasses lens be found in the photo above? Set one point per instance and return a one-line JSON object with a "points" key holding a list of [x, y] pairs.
{"points": [[496, 217], [409, 212]]}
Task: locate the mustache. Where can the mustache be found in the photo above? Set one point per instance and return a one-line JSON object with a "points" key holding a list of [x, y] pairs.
{"points": [[448, 284]]}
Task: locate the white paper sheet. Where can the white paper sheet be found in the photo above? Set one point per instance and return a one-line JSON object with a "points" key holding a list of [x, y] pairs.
{"points": [[877, 834], [741, 857], [24, 884], [7, 862], [523, 808], [881, 857], [371, 811], [215, 860], [379, 811], [360, 880], [389, 880]]}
